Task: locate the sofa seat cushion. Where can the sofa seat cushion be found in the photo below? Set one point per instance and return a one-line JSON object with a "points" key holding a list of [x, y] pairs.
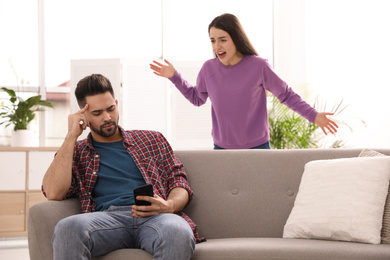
{"points": [[281, 248], [268, 248]]}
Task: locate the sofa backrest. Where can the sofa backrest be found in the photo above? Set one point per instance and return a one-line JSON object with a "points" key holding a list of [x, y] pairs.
{"points": [[248, 193]]}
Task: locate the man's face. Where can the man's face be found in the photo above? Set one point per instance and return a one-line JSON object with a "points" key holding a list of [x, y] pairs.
{"points": [[102, 116]]}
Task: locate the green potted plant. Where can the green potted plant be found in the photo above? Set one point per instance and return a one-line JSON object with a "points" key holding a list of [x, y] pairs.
{"points": [[288, 130], [20, 112]]}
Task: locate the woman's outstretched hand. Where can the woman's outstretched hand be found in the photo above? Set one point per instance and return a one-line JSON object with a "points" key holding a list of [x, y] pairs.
{"points": [[162, 70], [325, 123]]}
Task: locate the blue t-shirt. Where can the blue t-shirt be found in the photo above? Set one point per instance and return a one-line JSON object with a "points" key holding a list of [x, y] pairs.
{"points": [[117, 177]]}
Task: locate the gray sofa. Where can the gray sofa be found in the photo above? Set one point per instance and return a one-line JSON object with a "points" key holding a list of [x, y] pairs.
{"points": [[242, 201]]}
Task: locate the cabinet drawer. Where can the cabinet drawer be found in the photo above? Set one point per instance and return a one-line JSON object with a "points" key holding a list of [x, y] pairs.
{"points": [[12, 209], [34, 197]]}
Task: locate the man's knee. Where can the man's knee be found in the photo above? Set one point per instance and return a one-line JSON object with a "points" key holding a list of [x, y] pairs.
{"points": [[177, 233], [181, 230], [69, 228]]}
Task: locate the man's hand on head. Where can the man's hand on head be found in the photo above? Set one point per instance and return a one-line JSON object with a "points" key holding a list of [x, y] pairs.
{"points": [[77, 122]]}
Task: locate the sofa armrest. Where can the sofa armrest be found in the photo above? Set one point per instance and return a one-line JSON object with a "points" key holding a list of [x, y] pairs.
{"points": [[42, 218]]}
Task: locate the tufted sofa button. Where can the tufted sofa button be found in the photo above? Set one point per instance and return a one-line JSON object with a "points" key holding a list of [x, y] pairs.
{"points": [[235, 191], [290, 193]]}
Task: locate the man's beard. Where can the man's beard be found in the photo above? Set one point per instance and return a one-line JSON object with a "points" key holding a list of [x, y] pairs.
{"points": [[105, 132]]}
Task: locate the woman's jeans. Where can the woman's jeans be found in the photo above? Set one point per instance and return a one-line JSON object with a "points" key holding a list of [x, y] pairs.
{"points": [[165, 236], [262, 146]]}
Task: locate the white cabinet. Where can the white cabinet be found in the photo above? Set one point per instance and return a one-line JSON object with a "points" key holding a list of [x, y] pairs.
{"points": [[22, 170], [38, 162], [13, 170]]}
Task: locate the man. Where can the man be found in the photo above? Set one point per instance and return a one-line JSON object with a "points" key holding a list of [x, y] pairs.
{"points": [[102, 171]]}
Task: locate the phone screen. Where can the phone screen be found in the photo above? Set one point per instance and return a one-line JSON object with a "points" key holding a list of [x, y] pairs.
{"points": [[145, 190]]}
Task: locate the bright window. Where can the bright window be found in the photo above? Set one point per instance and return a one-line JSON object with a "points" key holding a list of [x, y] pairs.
{"points": [[347, 54], [98, 29]]}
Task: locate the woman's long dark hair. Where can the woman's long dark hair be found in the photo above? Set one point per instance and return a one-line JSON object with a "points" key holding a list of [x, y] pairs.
{"points": [[230, 24]]}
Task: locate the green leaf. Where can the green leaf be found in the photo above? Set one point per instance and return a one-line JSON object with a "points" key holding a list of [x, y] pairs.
{"points": [[21, 112], [9, 91]]}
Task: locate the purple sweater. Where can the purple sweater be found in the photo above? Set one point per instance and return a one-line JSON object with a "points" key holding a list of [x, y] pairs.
{"points": [[239, 101]]}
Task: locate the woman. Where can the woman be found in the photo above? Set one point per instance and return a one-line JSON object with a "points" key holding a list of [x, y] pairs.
{"points": [[236, 82]]}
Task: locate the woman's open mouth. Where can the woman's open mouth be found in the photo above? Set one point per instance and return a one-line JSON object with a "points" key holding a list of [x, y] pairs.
{"points": [[221, 54]]}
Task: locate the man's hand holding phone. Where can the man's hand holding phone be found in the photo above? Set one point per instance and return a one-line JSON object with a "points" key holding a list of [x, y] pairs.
{"points": [[149, 204]]}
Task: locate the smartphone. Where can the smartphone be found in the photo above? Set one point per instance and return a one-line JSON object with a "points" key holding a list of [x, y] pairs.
{"points": [[145, 190]]}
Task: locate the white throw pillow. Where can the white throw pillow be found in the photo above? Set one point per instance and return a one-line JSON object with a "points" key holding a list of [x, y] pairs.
{"points": [[341, 199]]}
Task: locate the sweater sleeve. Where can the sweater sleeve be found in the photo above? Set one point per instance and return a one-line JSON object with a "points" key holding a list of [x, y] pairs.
{"points": [[197, 95], [286, 95]]}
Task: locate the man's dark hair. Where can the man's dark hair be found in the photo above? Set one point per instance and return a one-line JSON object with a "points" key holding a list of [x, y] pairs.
{"points": [[230, 24], [92, 85]]}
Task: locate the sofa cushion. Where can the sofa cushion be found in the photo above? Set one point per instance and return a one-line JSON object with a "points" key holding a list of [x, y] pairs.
{"points": [[267, 248], [288, 249], [385, 234], [341, 199]]}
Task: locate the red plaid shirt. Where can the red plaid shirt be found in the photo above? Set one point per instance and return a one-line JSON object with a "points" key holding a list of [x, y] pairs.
{"points": [[153, 156]]}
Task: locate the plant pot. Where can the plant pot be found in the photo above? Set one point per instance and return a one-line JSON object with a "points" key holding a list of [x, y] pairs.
{"points": [[21, 138]]}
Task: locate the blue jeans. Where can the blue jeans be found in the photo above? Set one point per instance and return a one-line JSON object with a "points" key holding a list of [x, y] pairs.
{"points": [[262, 146], [165, 236]]}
